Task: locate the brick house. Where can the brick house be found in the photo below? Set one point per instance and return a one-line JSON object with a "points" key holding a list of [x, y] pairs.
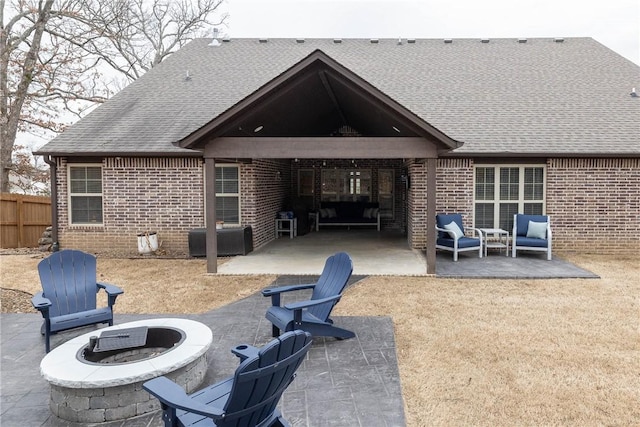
{"points": [[237, 129]]}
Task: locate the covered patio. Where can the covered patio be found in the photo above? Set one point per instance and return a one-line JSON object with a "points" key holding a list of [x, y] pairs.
{"points": [[320, 110]]}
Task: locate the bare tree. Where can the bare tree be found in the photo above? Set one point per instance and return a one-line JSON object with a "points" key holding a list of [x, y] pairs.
{"points": [[56, 54]]}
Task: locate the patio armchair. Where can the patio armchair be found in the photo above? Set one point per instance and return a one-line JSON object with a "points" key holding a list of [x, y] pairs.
{"points": [[452, 235], [68, 298], [248, 398], [531, 233], [313, 315]]}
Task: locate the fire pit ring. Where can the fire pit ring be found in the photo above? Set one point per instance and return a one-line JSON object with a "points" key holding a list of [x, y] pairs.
{"points": [[88, 392]]}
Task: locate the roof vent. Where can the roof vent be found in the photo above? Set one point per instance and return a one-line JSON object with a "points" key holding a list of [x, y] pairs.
{"points": [[399, 40], [522, 40], [215, 41], [484, 40], [558, 39], [263, 40], [337, 41], [411, 41], [448, 40], [299, 40], [374, 40], [634, 94]]}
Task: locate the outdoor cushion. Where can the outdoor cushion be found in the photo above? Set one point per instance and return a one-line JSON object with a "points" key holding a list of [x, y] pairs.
{"points": [[463, 242], [443, 219], [454, 230], [522, 224], [531, 242], [537, 230]]}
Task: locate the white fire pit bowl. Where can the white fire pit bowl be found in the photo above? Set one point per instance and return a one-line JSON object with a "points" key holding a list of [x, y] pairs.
{"points": [[89, 392]]}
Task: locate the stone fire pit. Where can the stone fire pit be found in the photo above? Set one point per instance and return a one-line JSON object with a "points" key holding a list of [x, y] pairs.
{"points": [[90, 389]]}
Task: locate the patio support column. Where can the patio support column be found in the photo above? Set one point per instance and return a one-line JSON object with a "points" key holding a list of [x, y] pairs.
{"points": [[210, 215], [431, 216]]}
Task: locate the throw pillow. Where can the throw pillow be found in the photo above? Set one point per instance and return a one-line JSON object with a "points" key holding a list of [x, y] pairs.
{"points": [[324, 213], [374, 212], [331, 212], [367, 213], [454, 230], [537, 230]]}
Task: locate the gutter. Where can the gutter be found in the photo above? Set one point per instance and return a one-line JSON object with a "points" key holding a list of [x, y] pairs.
{"points": [[55, 247]]}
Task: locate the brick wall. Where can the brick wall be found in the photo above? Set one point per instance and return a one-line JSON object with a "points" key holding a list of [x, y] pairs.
{"points": [[266, 186], [594, 204], [417, 205], [166, 195], [454, 188], [397, 222], [139, 195]]}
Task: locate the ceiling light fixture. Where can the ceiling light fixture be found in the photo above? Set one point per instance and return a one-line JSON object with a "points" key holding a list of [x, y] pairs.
{"points": [[258, 129]]}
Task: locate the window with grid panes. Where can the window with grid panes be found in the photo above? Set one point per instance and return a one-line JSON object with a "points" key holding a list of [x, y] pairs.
{"points": [[504, 190], [345, 185], [228, 194], [85, 194]]}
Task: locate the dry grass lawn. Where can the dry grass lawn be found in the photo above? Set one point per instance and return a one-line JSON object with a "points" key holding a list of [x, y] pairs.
{"points": [[471, 352]]}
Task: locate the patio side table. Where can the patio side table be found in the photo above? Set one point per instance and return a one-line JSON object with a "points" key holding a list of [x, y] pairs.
{"points": [[287, 225], [499, 239]]}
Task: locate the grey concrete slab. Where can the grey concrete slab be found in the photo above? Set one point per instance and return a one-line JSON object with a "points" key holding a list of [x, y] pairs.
{"points": [[372, 252], [527, 265], [388, 253], [358, 379]]}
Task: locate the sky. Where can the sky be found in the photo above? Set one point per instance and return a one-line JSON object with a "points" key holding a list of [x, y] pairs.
{"points": [[614, 23]]}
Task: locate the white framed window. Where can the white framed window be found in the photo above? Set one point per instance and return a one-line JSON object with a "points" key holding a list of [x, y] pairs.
{"points": [[85, 194], [228, 194], [500, 191], [346, 185]]}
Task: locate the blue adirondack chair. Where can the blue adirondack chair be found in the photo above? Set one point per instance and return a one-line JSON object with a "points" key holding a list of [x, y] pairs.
{"points": [[313, 315], [248, 398], [68, 299]]}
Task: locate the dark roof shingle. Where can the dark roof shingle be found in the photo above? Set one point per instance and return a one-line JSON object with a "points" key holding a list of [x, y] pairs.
{"points": [[501, 97]]}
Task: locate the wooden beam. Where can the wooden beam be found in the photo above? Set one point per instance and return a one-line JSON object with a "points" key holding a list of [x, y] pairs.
{"points": [[321, 148], [332, 95], [431, 216], [210, 207]]}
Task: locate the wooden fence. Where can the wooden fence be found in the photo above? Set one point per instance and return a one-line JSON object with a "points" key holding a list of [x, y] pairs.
{"points": [[23, 219]]}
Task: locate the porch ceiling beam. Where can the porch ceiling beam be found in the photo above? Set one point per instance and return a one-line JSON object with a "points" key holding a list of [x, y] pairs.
{"points": [[321, 148], [332, 95]]}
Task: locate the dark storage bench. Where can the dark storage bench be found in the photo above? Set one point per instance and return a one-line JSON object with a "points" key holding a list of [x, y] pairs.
{"points": [[231, 241]]}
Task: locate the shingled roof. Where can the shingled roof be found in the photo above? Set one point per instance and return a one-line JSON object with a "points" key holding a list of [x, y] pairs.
{"points": [[501, 97]]}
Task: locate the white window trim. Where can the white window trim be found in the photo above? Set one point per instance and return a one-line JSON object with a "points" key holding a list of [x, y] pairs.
{"points": [[70, 195], [521, 201], [238, 195]]}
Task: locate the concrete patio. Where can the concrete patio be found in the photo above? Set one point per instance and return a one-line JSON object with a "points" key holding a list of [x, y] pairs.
{"points": [[387, 253], [357, 378]]}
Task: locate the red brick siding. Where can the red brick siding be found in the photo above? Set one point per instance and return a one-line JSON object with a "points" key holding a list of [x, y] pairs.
{"points": [[594, 204], [139, 195], [454, 188], [417, 205], [264, 193]]}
